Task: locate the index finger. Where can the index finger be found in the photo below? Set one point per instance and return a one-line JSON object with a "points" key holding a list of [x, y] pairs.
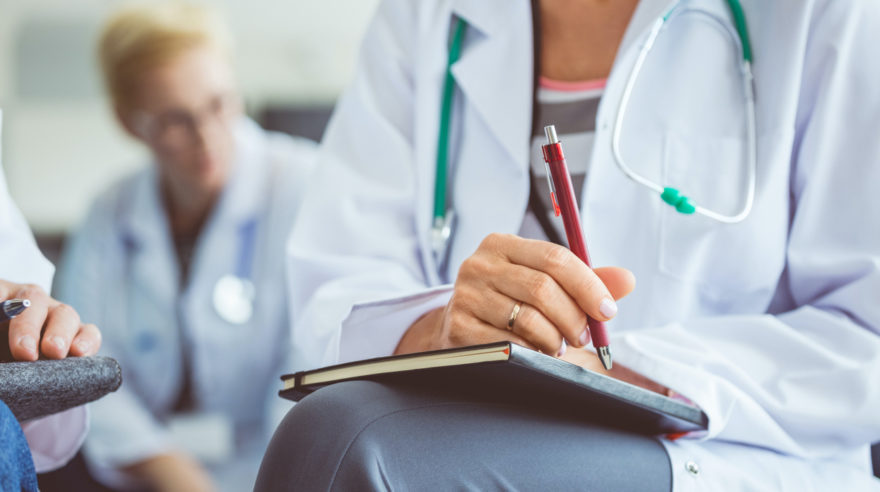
{"points": [[5, 290], [569, 271], [25, 329]]}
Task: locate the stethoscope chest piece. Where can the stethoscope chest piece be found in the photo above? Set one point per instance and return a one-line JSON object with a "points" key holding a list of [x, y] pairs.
{"points": [[234, 299]]}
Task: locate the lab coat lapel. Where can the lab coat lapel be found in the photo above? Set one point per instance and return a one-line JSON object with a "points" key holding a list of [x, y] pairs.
{"points": [[493, 80], [608, 199], [148, 244], [495, 72]]}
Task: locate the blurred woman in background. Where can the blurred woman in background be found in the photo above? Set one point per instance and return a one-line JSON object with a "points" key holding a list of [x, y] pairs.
{"points": [[181, 262]]}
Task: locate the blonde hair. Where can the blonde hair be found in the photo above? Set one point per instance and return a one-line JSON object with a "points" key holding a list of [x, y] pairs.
{"points": [[141, 37]]}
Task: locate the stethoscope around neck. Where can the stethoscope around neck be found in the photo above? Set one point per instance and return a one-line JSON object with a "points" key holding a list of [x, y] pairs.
{"points": [[443, 223]]}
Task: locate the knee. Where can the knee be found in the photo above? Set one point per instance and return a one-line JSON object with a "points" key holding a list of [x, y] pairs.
{"points": [[338, 409], [324, 416], [311, 440]]}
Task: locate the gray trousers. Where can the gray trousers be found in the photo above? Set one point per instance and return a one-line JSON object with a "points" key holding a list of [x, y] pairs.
{"points": [[363, 435]]}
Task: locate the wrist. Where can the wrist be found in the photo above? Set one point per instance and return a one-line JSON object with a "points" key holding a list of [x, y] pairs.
{"points": [[423, 334]]}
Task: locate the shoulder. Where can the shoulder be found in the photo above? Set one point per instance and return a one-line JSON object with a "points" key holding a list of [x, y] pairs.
{"points": [[843, 22], [290, 163], [110, 203], [840, 46], [277, 149], [93, 246], [398, 24], [853, 9], [290, 151], [290, 160]]}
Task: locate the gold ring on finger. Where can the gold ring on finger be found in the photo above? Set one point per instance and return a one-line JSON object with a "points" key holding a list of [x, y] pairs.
{"points": [[513, 314]]}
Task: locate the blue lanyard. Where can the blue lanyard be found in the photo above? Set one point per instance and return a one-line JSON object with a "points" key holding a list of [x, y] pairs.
{"points": [[247, 234]]}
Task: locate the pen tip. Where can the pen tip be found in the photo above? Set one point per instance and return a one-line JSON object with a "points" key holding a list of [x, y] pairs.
{"points": [[605, 357]]}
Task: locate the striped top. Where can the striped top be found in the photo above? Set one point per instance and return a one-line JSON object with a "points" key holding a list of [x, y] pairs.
{"points": [[572, 107]]}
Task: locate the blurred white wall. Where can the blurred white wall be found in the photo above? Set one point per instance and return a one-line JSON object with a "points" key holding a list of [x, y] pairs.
{"points": [[60, 144]]}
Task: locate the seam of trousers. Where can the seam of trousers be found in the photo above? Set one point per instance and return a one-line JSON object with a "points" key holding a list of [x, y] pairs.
{"points": [[368, 424]]}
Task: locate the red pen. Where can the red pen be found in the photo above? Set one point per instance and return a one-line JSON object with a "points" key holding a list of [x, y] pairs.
{"points": [[564, 201]]}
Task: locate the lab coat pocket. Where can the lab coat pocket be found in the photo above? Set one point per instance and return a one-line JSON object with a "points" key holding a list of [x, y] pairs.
{"points": [[719, 259]]}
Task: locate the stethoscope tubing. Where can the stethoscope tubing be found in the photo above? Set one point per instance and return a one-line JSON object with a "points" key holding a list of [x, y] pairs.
{"points": [[751, 127]]}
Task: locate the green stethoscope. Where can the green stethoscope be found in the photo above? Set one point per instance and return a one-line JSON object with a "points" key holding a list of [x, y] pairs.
{"points": [[444, 215]]}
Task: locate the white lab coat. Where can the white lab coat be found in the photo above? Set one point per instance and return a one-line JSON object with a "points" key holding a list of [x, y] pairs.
{"points": [[121, 271], [771, 326], [53, 440]]}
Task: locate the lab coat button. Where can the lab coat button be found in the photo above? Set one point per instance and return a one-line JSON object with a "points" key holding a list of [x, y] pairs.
{"points": [[692, 468]]}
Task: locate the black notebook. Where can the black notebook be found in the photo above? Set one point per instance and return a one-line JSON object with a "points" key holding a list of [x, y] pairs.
{"points": [[515, 375]]}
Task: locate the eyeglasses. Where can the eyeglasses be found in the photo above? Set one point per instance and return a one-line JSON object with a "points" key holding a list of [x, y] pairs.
{"points": [[178, 127]]}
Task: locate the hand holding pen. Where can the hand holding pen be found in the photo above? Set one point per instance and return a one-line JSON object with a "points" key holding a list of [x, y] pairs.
{"points": [[531, 292], [39, 325]]}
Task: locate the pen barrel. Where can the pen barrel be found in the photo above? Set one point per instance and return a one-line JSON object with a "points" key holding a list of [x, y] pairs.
{"points": [[567, 200], [598, 332]]}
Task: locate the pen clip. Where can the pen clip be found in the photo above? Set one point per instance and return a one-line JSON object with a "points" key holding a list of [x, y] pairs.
{"points": [[556, 209]]}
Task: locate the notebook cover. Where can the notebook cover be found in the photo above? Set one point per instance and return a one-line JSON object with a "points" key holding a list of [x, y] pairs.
{"points": [[43, 387], [534, 380]]}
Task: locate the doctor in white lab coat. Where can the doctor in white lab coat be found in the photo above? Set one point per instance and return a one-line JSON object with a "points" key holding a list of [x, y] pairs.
{"points": [[121, 269], [195, 302], [771, 326]]}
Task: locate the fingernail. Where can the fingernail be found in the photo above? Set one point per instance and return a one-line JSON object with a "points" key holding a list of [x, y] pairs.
{"points": [[585, 337], [28, 343], [562, 350], [59, 342], [83, 346], [608, 308]]}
